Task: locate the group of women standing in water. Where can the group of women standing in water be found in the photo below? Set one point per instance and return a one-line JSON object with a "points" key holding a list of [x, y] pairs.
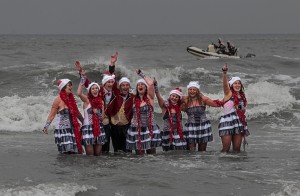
{"points": [[111, 112]]}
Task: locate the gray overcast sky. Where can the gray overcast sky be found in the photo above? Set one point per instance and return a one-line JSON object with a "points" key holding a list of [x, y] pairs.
{"points": [[149, 16]]}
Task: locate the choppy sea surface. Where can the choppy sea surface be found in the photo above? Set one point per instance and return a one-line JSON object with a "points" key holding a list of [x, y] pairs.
{"points": [[30, 66]]}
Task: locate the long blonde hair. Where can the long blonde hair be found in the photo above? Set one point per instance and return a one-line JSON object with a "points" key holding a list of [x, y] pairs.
{"points": [[198, 96]]}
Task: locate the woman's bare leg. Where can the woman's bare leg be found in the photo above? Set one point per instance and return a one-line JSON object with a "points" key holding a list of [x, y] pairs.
{"points": [[236, 142], [202, 147], [226, 141], [89, 149], [97, 149]]}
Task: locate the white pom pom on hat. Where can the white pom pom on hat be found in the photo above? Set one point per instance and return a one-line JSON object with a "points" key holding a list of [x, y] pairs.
{"points": [[62, 83], [194, 84], [233, 79]]}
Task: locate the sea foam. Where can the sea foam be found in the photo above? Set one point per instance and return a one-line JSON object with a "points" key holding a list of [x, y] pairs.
{"points": [[285, 57], [26, 114], [30, 113], [62, 189], [288, 190]]}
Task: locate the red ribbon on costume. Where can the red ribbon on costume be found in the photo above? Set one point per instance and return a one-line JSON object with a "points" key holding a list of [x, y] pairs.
{"points": [[74, 112], [96, 103], [178, 121], [138, 102], [241, 113]]}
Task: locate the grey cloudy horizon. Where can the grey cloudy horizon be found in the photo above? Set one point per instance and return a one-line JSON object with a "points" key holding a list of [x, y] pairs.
{"points": [[149, 17]]}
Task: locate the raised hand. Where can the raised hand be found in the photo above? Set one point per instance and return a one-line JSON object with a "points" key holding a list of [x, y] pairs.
{"points": [[225, 68], [83, 73], [140, 73], [155, 82], [78, 66], [155, 85], [82, 77], [114, 58]]}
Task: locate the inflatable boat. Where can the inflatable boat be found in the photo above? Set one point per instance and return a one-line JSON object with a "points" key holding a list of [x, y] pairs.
{"points": [[209, 52]]}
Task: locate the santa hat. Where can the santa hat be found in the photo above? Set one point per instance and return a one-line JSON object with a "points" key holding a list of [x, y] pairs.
{"points": [[106, 78], [194, 84], [62, 83], [142, 81], [124, 79], [233, 79], [177, 91], [91, 84]]}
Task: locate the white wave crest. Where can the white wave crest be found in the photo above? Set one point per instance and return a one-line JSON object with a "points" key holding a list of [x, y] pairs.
{"points": [[62, 189], [288, 190], [265, 98], [285, 79], [164, 77], [285, 57], [24, 114], [30, 113]]}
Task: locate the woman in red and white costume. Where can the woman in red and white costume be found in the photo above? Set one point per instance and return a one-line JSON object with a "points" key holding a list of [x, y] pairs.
{"points": [[67, 128], [172, 133], [198, 129], [233, 125], [106, 92], [93, 133], [143, 133]]}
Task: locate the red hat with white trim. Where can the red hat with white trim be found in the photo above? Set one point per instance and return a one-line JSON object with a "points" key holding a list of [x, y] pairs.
{"points": [[91, 84], [62, 83], [106, 78], [177, 91]]}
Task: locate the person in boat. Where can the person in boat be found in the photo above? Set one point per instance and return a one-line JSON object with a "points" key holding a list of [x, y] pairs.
{"points": [[197, 129], [143, 133], [233, 125], [231, 48], [172, 133], [67, 129], [93, 134], [220, 48], [106, 92]]}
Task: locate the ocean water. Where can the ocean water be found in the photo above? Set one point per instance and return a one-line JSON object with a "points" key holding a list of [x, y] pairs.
{"points": [[30, 66]]}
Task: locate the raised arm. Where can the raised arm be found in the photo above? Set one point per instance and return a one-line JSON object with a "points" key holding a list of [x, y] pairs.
{"points": [[113, 60], [80, 71], [226, 88], [83, 97], [149, 81], [160, 100]]}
